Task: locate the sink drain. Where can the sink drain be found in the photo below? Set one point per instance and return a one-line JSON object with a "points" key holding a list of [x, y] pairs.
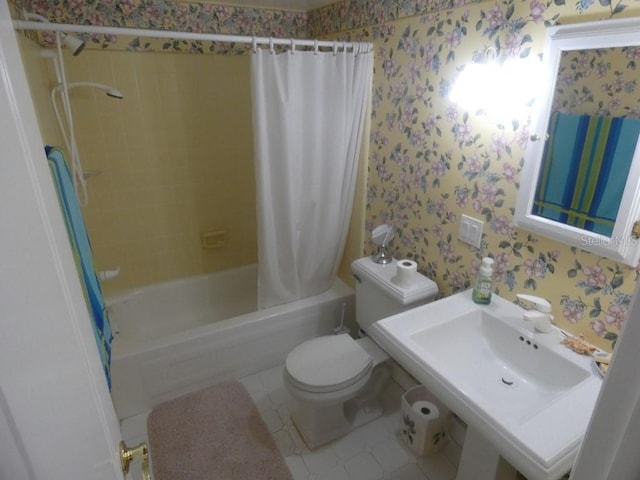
{"points": [[507, 382]]}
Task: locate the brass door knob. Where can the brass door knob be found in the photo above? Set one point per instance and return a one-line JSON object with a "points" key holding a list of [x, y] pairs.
{"points": [[128, 454]]}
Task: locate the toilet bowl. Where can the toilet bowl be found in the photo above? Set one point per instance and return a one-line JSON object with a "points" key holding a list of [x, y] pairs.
{"points": [[335, 379]]}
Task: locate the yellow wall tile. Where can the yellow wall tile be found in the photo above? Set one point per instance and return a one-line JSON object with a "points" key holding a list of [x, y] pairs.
{"points": [[176, 156]]}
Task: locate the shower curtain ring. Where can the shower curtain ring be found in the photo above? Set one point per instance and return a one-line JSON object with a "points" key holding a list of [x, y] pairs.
{"points": [[254, 44], [293, 46], [315, 47], [271, 49]]}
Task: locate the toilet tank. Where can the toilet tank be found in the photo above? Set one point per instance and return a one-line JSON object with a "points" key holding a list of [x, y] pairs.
{"points": [[378, 296]]}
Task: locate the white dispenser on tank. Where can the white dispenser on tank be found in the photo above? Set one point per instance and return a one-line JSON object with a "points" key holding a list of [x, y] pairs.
{"points": [[382, 236]]}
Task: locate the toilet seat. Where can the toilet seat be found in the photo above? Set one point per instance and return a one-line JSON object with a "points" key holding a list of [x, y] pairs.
{"points": [[328, 364]]}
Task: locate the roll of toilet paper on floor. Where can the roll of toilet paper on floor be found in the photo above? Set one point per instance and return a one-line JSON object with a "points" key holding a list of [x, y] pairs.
{"points": [[406, 273], [426, 410]]}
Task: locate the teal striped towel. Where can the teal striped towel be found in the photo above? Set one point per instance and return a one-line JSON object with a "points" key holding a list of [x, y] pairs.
{"points": [[584, 170], [81, 246]]}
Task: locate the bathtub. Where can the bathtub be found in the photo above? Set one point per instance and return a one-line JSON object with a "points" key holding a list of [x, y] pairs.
{"points": [[177, 337]]}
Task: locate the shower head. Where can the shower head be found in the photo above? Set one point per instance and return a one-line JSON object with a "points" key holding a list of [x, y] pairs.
{"points": [[113, 93], [110, 91], [73, 43]]}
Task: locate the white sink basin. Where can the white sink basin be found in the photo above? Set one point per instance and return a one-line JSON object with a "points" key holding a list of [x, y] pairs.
{"points": [[525, 392], [498, 365]]}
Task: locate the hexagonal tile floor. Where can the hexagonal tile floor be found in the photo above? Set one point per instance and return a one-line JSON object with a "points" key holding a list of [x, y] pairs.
{"points": [[374, 451]]}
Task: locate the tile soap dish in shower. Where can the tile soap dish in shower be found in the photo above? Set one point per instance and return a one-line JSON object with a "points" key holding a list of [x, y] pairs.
{"points": [[214, 239]]}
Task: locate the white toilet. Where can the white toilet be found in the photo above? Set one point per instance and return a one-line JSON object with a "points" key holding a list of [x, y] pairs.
{"points": [[336, 379]]}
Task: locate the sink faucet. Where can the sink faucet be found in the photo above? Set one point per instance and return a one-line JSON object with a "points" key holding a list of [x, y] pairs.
{"points": [[540, 314]]}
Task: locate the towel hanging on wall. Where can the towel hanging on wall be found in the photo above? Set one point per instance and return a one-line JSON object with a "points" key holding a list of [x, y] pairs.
{"points": [[83, 255], [584, 170]]}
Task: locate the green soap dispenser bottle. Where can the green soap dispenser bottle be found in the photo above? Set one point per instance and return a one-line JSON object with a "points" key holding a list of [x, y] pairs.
{"points": [[484, 283]]}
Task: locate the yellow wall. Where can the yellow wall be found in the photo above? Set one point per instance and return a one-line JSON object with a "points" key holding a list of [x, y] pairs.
{"points": [[175, 159], [599, 82], [431, 161]]}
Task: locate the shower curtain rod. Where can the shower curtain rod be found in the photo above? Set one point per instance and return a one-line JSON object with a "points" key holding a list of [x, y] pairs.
{"points": [[213, 37]]}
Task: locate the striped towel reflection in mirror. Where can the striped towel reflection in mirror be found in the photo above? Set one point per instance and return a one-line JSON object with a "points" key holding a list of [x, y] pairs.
{"points": [[584, 170]]}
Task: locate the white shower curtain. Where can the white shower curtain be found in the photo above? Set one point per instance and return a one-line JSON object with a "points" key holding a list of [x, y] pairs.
{"points": [[308, 114]]}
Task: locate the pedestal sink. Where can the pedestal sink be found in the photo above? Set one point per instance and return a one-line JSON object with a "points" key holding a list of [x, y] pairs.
{"points": [[523, 395]]}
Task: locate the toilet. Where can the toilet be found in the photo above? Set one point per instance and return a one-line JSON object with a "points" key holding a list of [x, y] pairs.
{"points": [[335, 379]]}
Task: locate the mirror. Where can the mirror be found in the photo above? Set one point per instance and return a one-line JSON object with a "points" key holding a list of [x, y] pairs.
{"points": [[581, 180]]}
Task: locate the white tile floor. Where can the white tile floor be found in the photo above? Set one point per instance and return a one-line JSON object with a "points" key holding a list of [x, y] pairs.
{"points": [[371, 452]]}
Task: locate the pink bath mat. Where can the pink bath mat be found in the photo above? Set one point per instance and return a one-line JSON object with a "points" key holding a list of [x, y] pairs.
{"points": [[213, 434]]}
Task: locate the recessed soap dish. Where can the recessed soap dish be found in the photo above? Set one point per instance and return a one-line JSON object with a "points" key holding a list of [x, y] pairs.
{"points": [[214, 239]]}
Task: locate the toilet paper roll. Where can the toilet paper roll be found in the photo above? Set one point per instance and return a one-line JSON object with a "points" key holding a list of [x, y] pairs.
{"points": [[406, 273], [427, 410]]}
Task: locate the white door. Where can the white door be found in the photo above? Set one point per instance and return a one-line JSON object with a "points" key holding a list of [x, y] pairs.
{"points": [[56, 416], [610, 447]]}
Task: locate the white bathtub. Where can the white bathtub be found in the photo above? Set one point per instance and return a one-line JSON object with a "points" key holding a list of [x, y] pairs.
{"points": [[180, 336]]}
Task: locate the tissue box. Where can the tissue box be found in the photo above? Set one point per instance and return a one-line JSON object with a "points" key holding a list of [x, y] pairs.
{"points": [[425, 421]]}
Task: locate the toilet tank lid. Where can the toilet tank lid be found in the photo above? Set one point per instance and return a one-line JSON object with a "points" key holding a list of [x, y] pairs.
{"points": [[383, 276]]}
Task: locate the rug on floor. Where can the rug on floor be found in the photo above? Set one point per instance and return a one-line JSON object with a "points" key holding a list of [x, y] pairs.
{"points": [[213, 434]]}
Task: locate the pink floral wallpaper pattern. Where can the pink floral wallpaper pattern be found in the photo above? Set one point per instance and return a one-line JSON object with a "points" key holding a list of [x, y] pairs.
{"points": [[201, 17], [430, 160]]}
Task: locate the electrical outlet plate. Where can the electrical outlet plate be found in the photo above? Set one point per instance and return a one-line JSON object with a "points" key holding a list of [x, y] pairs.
{"points": [[470, 230]]}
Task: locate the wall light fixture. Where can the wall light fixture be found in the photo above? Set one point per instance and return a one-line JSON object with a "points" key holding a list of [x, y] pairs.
{"points": [[501, 90]]}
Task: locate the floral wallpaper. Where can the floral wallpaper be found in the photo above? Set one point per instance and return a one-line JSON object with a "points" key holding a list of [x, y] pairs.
{"points": [[184, 16], [431, 160], [599, 82]]}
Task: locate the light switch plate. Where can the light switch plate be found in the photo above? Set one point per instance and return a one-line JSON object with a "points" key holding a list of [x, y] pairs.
{"points": [[471, 230]]}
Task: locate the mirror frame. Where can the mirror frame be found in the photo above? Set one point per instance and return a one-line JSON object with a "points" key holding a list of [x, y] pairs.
{"points": [[621, 246]]}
